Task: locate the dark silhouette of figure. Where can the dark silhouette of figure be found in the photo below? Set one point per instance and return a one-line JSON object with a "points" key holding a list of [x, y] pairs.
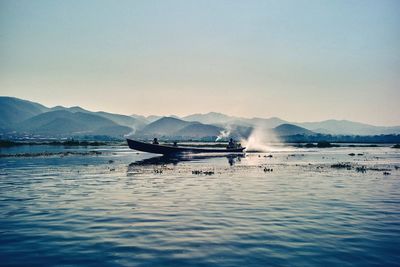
{"points": [[231, 143], [155, 141], [175, 143]]}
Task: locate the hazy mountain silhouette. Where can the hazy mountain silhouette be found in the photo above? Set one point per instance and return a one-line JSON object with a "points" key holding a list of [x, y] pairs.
{"points": [[26, 117], [19, 116], [290, 129], [265, 123], [141, 119], [70, 109], [224, 120], [14, 110], [124, 120], [348, 127], [165, 126], [153, 118], [210, 118], [341, 127], [199, 130], [63, 122], [173, 127]]}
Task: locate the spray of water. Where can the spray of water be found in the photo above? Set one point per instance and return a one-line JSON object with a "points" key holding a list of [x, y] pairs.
{"points": [[260, 140]]}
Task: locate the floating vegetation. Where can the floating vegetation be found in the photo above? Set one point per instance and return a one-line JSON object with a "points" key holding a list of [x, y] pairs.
{"points": [[296, 155], [200, 172], [159, 171], [379, 169], [341, 166], [361, 169], [268, 169]]}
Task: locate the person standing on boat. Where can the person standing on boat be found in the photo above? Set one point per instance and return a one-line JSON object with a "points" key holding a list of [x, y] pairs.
{"points": [[155, 141]]}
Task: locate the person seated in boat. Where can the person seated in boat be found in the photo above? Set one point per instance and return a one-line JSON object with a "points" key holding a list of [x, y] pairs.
{"points": [[155, 141], [231, 144]]}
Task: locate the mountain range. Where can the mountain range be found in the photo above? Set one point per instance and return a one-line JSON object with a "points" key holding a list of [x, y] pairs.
{"points": [[20, 118]]}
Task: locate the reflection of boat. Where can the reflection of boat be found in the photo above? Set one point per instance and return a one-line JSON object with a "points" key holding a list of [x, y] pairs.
{"points": [[159, 160], [170, 149], [162, 160]]}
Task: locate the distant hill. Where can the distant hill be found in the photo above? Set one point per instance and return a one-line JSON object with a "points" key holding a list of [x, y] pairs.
{"points": [[225, 120], [71, 109], [199, 130], [210, 118], [173, 127], [124, 120], [113, 130], [345, 127], [65, 123], [263, 123], [22, 116], [165, 126], [336, 127], [290, 129], [141, 119], [14, 110], [153, 118]]}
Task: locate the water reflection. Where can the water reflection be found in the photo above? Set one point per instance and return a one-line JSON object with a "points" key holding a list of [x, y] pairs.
{"points": [[233, 158], [163, 160]]}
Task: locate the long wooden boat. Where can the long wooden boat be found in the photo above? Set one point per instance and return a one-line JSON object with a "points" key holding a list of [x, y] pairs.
{"points": [[170, 149]]}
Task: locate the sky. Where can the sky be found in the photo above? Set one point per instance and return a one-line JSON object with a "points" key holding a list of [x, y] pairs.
{"points": [[297, 60]]}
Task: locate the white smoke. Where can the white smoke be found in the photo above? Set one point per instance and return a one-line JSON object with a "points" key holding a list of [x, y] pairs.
{"points": [[224, 134], [130, 133]]}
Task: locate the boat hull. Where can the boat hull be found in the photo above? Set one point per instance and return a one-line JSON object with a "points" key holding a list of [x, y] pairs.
{"points": [[168, 150]]}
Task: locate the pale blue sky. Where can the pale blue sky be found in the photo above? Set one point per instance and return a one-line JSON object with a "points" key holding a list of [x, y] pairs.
{"points": [[298, 60]]}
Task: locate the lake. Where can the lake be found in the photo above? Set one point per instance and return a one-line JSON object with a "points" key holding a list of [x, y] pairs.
{"points": [[288, 207]]}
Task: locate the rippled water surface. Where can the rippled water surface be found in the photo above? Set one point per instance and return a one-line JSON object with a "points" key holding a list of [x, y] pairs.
{"points": [[123, 208]]}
